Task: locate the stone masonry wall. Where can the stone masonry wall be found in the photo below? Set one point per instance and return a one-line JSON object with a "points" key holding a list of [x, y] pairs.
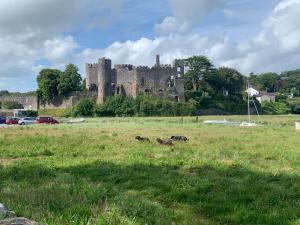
{"points": [[28, 102]]}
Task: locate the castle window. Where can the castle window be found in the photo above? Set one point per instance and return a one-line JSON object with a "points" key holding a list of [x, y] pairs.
{"points": [[178, 69], [176, 98], [118, 90]]}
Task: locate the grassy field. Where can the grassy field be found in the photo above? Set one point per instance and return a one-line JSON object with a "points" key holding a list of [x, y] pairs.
{"points": [[96, 173]]}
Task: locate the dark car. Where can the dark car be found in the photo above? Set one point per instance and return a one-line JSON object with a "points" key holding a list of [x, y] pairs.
{"points": [[12, 120], [2, 119], [46, 120]]}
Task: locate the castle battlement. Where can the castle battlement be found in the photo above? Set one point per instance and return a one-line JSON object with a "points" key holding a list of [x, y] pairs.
{"points": [[92, 65], [129, 80], [124, 66]]}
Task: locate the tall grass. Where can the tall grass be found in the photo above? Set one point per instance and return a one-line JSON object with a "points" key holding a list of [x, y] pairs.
{"points": [[96, 173]]}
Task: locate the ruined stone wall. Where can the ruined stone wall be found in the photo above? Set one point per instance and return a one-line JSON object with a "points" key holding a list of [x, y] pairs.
{"points": [[28, 102], [165, 81], [162, 80], [91, 74], [126, 81], [69, 102], [152, 79]]}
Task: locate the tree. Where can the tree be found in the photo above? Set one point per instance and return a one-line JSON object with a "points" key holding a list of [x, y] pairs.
{"points": [[200, 68], [69, 80], [233, 80], [291, 82], [4, 92], [83, 85], [47, 84], [268, 81]]}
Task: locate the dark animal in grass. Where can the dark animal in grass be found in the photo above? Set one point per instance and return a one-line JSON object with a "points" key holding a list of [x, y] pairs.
{"points": [[142, 139], [165, 142], [179, 138]]}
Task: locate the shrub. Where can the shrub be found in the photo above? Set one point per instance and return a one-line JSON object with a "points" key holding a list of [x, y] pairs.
{"points": [[294, 104], [53, 112], [11, 105], [85, 107], [276, 108], [116, 106]]}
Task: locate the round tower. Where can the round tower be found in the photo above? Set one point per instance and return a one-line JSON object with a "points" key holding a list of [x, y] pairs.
{"points": [[104, 79]]}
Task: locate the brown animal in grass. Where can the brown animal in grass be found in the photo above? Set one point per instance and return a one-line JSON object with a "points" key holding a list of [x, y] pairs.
{"points": [[165, 142], [142, 139]]}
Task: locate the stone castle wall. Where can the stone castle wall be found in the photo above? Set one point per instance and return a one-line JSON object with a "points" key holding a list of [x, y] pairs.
{"points": [[32, 103], [128, 80], [28, 102]]}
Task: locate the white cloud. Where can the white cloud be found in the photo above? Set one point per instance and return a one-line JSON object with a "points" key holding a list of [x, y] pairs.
{"points": [[60, 50], [186, 13], [32, 30], [143, 51], [275, 48], [171, 25]]}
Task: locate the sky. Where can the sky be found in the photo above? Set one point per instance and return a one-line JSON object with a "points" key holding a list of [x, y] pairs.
{"points": [[248, 35]]}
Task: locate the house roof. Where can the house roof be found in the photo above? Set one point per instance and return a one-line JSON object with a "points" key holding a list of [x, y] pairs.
{"points": [[264, 93]]}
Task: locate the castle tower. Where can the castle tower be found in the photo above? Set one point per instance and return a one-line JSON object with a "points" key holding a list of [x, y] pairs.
{"points": [[157, 61], [179, 65], [104, 79], [91, 75]]}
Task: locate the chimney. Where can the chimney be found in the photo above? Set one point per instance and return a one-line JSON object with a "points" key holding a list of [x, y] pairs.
{"points": [[157, 61]]}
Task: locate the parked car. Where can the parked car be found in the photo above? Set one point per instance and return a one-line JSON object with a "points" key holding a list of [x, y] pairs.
{"points": [[12, 120], [27, 121], [2, 119], [46, 120]]}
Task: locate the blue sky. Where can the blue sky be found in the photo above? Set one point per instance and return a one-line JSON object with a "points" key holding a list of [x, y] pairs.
{"points": [[251, 36]]}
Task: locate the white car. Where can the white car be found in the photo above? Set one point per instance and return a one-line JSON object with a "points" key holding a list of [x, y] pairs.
{"points": [[27, 121]]}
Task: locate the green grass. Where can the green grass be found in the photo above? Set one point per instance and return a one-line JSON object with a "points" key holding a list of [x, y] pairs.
{"points": [[96, 173]]}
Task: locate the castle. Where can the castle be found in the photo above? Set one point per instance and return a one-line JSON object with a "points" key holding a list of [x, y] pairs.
{"points": [[128, 80]]}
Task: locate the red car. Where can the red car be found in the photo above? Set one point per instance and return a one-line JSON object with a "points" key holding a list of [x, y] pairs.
{"points": [[46, 120], [12, 120]]}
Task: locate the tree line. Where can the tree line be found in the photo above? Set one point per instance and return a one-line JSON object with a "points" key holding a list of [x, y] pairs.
{"points": [[208, 90]]}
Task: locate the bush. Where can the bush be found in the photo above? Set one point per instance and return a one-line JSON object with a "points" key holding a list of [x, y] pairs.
{"points": [[85, 107], [31, 113], [294, 104], [276, 108], [11, 105], [116, 106], [53, 112], [144, 105]]}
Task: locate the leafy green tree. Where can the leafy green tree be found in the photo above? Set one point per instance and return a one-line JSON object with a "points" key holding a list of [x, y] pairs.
{"points": [[4, 92], [291, 82], [268, 81], [69, 80], [200, 68], [47, 84], [294, 104], [83, 85], [232, 80]]}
